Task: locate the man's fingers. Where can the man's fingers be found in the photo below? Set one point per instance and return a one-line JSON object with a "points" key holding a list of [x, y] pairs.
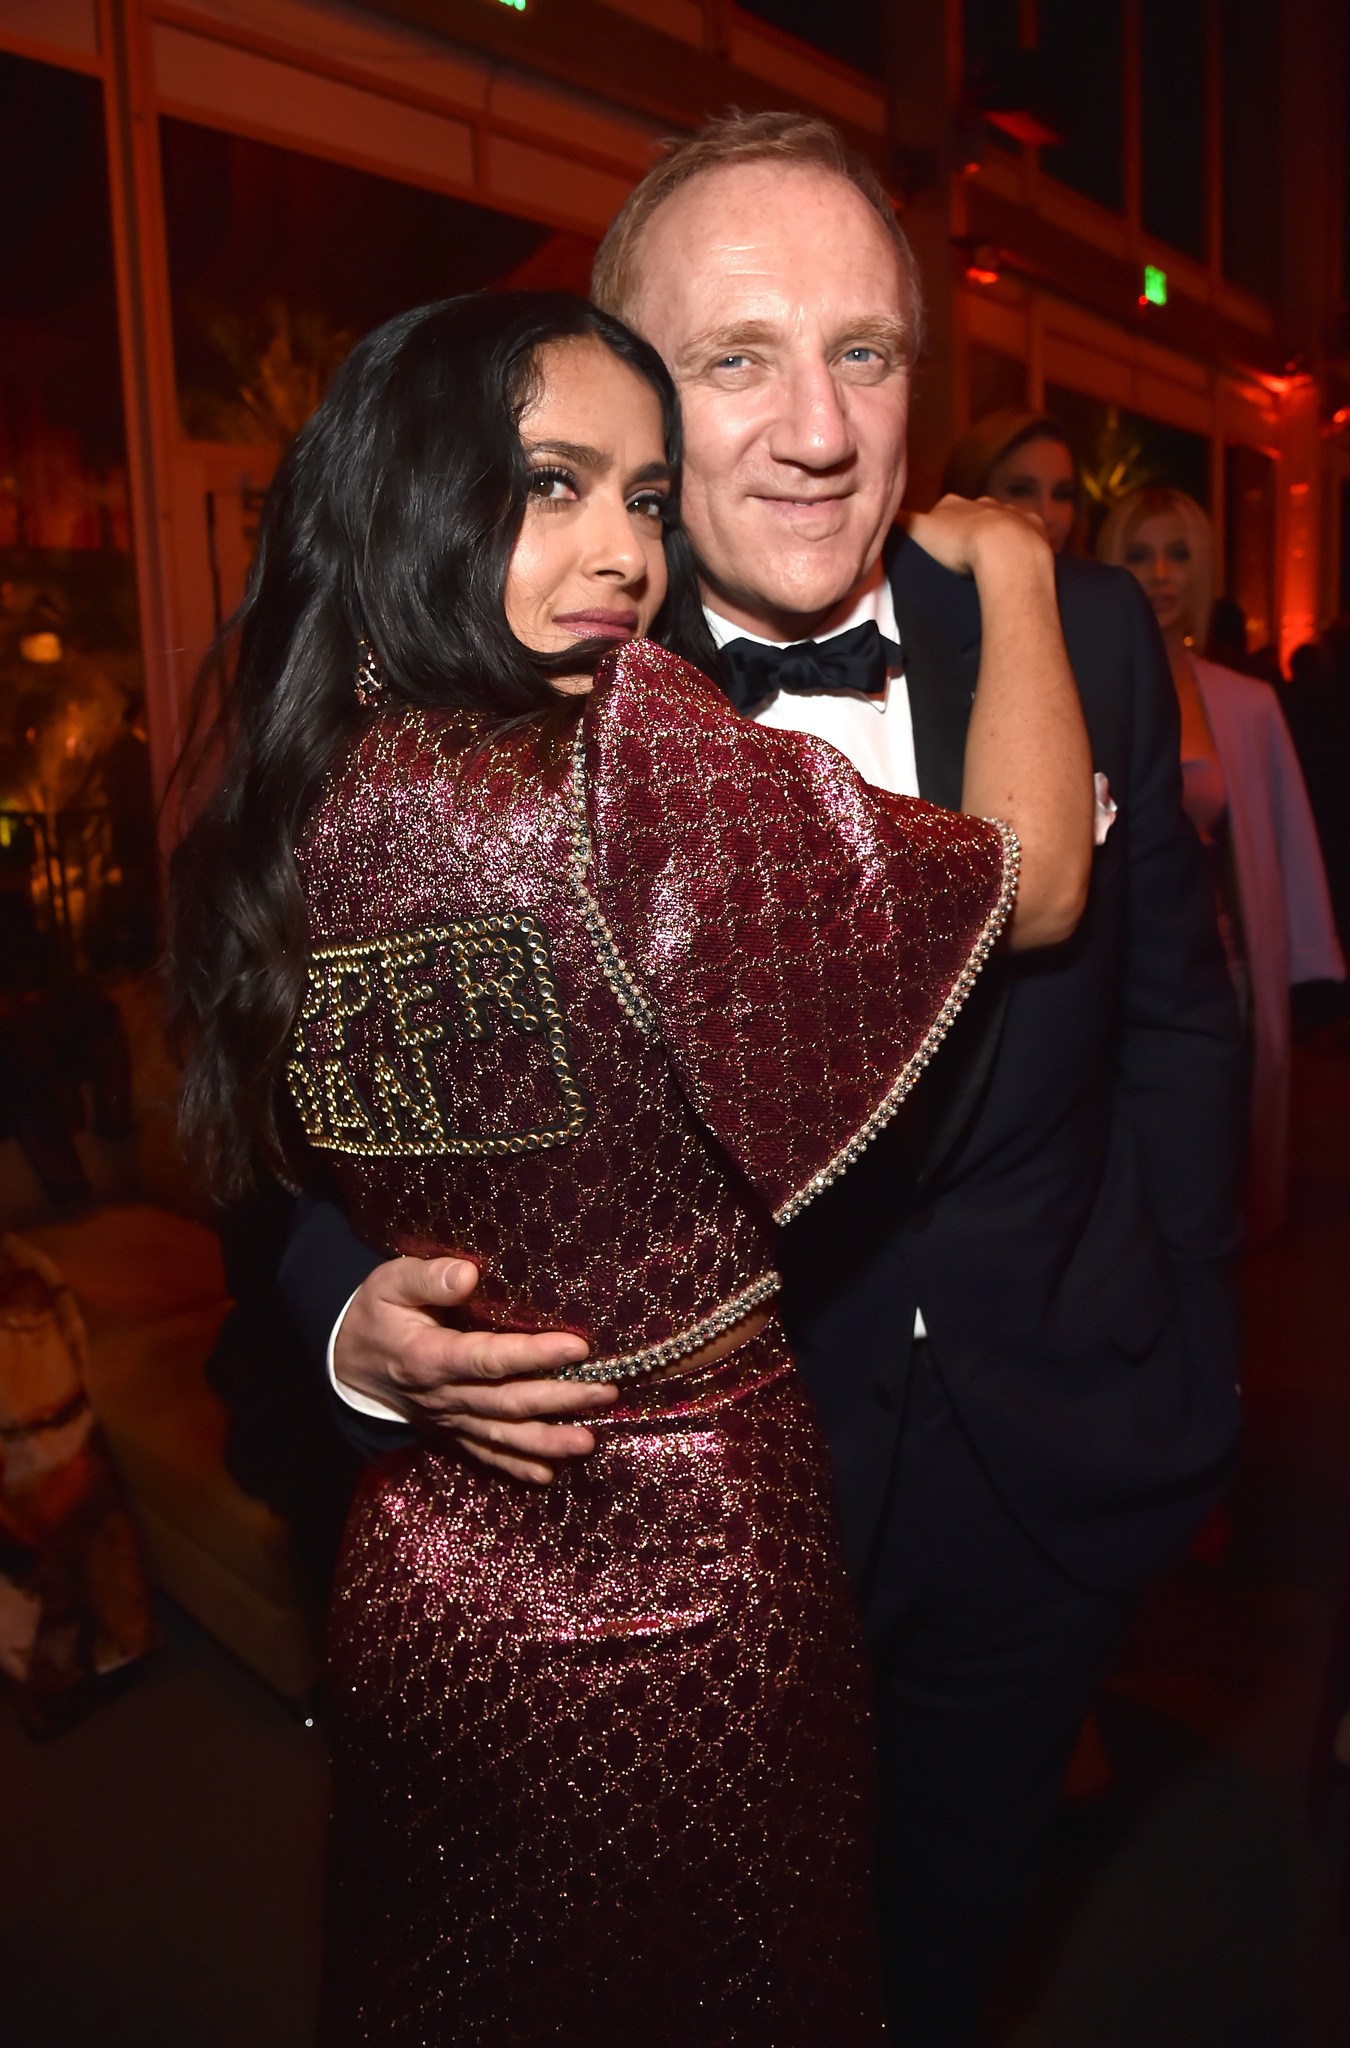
{"points": [[480, 1354], [546, 1442], [512, 1401], [517, 1468], [547, 1401], [430, 1283], [497, 1355]]}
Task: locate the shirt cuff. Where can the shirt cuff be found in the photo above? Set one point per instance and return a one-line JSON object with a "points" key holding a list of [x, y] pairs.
{"points": [[364, 1404]]}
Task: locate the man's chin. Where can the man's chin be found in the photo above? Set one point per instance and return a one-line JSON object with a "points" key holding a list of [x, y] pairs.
{"points": [[797, 583]]}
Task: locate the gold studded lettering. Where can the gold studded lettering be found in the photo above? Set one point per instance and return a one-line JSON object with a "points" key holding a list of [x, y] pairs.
{"points": [[351, 1127], [490, 974]]}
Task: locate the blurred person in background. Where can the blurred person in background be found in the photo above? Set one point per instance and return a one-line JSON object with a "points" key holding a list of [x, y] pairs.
{"points": [[1244, 793], [1306, 668], [1317, 707], [1227, 642], [1022, 459]]}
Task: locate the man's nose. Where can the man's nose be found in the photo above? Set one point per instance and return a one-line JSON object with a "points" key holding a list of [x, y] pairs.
{"points": [[812, 427]]}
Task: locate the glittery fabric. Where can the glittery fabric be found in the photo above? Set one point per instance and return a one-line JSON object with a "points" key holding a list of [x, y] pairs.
{"points": [[594, 1017], [804, 940], [602, 1761], [533, 993]]}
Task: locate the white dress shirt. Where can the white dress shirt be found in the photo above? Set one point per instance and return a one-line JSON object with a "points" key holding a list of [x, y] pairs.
{"points": [[875, 733]]}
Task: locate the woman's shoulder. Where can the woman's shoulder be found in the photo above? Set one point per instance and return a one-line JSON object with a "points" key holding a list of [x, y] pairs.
{"points": [[1247, 693], [651, 708], [407, 761], [1248, 723], [643, 680], [403, 745]]}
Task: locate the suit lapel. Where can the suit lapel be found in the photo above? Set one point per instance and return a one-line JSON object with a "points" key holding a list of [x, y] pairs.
{"points": [[937, 616]]}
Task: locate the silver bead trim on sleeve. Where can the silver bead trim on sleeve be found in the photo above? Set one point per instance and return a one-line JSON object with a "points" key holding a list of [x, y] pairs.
{"points": [[624, 983], [942, 1024], [634, 1363]]}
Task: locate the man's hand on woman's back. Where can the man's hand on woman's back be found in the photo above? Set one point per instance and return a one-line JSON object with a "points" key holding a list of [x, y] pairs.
{"points": [[479, 1387]]}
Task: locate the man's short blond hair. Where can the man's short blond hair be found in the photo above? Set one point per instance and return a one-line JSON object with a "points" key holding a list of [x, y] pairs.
{"points": [[798, 140]]}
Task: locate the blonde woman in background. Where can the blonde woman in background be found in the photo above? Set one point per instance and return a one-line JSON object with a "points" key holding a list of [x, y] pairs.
{"points": [[1243, 792], [1023, 459]]}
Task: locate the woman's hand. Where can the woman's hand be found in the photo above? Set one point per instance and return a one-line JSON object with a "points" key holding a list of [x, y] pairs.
{"points": [[1027, 755], [972, 536]]}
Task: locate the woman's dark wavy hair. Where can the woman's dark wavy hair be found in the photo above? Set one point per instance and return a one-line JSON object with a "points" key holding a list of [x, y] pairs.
{"points": [[392, 518]]}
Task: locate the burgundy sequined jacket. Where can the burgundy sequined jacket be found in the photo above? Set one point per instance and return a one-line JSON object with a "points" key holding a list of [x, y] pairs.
{"points": [[600, 1021]]}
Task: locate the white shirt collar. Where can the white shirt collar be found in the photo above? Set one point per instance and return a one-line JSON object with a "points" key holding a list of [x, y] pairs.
{"points": [[874, 601]]}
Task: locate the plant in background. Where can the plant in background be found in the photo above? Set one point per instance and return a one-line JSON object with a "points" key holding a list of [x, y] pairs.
{"points": [[278, 364], [1120, 466]]}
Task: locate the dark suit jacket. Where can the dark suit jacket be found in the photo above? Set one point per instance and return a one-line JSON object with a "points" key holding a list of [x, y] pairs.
{"points": [[1060, 1194]]}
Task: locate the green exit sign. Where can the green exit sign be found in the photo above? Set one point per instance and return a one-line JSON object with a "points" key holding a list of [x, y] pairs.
{"points": [[1155, 286]]}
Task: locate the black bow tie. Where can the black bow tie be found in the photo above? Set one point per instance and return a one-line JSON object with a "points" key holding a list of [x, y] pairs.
{"points": [[856, 660]]}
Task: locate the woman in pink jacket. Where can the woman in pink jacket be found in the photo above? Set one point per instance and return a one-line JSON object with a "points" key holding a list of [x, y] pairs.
{"points": [[1244, 793]]}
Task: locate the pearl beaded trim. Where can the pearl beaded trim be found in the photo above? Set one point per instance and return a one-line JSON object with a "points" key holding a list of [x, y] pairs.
{"points": [[941, 1025], [633, 1363], [632, 999]]}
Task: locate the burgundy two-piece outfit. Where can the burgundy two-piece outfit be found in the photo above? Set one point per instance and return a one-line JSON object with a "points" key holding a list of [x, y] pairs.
{"points": [[599, 1016]]}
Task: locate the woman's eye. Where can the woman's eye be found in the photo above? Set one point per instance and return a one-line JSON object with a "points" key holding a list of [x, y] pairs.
{"points": [[1020, 487], [1136, 557], [1178, 552], [552, 485], [651, 504]]}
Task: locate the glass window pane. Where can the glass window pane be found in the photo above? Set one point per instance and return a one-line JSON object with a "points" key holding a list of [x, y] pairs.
{"points": [[1172, 65], [279, 261], [990, 33], [1118, 451], [1251, 241], [993, 59], [1080, 48], [1249, 538], [77, 826], [996, 380], [851, 32]]}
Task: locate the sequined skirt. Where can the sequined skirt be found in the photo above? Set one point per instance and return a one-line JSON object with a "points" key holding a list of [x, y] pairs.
{"points": [[603, 1768]]}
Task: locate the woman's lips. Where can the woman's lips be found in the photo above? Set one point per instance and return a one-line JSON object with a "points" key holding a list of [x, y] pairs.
{"points": [[599, 624]]}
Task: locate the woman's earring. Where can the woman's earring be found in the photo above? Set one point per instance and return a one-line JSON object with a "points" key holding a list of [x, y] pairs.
{"points": [[370, 689]]}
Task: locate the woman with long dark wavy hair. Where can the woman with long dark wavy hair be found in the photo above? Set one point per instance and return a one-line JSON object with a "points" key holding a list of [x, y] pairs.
{"points": [[499, 914]]}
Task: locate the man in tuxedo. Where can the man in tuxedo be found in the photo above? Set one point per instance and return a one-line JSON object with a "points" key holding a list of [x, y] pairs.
{"points": [[1012, 1312]]}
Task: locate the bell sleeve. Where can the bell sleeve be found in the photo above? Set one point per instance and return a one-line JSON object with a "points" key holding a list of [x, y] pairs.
{"points": [[797, 940]]}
